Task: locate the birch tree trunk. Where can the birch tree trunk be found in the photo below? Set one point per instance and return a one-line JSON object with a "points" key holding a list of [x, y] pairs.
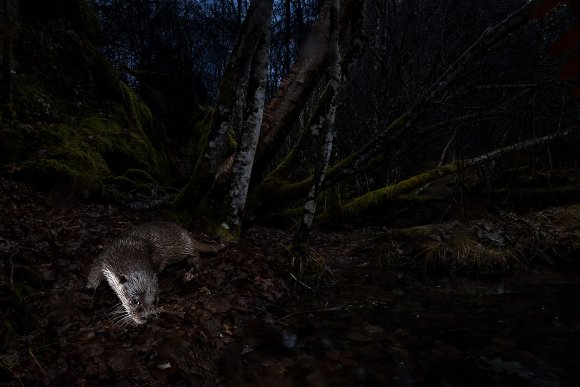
{"points": [[266, 195], [323, 124], [292, 95], [362, 158], [250, 131], [305, 74], [218, 144], [235, 74]]}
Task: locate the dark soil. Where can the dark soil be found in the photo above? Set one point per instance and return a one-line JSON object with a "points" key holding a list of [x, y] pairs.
{"points": [[243, 321]]}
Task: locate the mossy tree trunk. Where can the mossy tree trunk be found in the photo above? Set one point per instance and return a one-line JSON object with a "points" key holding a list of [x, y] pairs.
{"points": [[373, 151], [217, 145], [294, 92], [250, 131], [298, 85], [377, 145], [375, 199], [323, 123], [215, 186], [275, 191]]}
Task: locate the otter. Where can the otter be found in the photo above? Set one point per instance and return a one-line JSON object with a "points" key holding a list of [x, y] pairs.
{"points": [[130, 265]]}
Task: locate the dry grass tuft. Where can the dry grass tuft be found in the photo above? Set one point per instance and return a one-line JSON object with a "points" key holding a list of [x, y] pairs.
{"points": [[309, 270], [492, 244]]}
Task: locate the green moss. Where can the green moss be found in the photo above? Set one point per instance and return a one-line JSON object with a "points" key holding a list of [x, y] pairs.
{"points": [[230, 234], [123, 149], [31, 100], [24, 141], [143, 139], [232, 142], [76, 123], [93, 149], [87, 163], [275, 193], [139, 114], [200, 198], [376, 198], [100, 134]]}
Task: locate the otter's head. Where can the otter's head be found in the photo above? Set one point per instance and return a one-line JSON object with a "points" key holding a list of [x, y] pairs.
{"points": [[137, 292]]}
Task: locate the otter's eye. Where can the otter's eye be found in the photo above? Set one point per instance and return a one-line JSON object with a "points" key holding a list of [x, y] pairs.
{"points": [[134, 302]]}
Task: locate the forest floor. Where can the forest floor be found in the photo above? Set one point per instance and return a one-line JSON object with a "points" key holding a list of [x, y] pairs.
{"points": [[243, 321]]}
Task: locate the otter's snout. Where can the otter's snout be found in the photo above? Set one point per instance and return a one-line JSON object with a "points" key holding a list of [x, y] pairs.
{"points": [[142, 316]]}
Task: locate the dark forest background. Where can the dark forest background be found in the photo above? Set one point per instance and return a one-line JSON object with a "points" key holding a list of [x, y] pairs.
{"points": [[294, 113], [170, 57], [343, 150]]}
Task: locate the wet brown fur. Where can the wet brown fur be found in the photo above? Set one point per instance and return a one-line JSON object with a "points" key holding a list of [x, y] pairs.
{"points": [[131, 262]]}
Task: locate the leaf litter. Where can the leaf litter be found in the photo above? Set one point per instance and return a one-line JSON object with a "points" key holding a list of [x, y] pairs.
{"points": [[243, 321]]}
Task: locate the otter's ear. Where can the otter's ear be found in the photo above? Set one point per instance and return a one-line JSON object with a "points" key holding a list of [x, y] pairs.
{"points": [[123, 279]]}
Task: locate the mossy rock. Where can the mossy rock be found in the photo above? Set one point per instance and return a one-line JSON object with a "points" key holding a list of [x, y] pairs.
{"points": [[84, 154], [75, 123], [123, 149], [79, 156], [138, 113]]}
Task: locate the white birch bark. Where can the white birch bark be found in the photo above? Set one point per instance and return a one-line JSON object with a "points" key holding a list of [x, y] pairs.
{"points": [[250, 131], [310, 206], [292, 94], [233, 80], [327, 124]]}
